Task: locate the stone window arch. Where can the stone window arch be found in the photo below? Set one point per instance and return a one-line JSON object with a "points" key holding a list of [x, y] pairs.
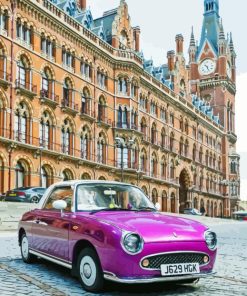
{"points": [[67, 137], [68, 93], [85, 141], [48, 84], [163, 138], [46, 128], [24, 74], [86, 101], [143, 160], [154, 165], [22, 174], [102, 114], [3, 62], [144, 126], [154, 133], [67, 175], [86, 176], [47, 176], [22, 126], [172, 169], [101, 148], [154, 196]]}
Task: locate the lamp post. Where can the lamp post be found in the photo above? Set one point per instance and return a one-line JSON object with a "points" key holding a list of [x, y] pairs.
{"points": [[120, 143]]}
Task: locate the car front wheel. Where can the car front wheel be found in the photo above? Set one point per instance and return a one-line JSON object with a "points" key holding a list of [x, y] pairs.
{"points": [[90, 271], [25, 254]]}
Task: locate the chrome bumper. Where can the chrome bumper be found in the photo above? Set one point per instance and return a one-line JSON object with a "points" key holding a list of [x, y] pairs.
{"points": [[111, 277]]}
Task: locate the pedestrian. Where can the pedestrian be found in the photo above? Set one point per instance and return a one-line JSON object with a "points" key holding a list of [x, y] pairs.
{"points": [[202, 210]]}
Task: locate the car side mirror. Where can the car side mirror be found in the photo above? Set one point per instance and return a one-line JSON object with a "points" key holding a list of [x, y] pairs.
{"points": [[59, 205], [158, 206]]}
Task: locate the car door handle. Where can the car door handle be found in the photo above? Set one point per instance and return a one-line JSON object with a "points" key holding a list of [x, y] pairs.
{"points": [[37, 221]]}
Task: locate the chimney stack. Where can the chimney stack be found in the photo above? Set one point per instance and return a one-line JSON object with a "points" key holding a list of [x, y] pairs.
{"points": [[171, 60], [137, 32], [179, 43], [82, 4]]}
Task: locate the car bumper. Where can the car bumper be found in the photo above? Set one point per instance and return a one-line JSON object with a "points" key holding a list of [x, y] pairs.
{"points": [[111, 277]]}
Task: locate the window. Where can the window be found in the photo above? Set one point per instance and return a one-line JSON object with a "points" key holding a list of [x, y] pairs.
{"points": [[86, 102], [3, 62], [101, 149], [24, 74], [68, 59], [102, 79], [68, 94], [62, 193], [102, 110], [45, 131], [163, 115], [48, 47], [172, 119], [22, 123], [123, 86], [4, 22], [24, 33], [154, 134], [19, 175], [86, 70], [67, 137], [47, 90], [153, 108]]}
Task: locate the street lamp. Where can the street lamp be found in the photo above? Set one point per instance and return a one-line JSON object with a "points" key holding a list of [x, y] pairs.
{"points": [[120, 143]]}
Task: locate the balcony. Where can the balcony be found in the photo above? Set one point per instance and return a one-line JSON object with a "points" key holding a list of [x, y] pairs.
{"points": [[26, 89], [47, 56], [49, 98], [4, 79], [102, 120], [127, 127], [24, 43], [69, 107], [87, 114]]}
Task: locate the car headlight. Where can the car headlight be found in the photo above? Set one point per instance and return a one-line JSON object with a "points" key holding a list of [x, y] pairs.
{"points": [[132, 243], [211, 239]]}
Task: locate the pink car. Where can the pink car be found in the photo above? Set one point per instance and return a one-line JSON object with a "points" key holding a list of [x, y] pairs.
{"points": [[111, 231]]}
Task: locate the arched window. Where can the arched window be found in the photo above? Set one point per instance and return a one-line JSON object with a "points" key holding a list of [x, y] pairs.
{"points": [[44, 178], [68, 94], [163, 168], [154, 196], [86, 102], [154, 162], [172, 170], [4, 22], [154, 134], [143, 162], [123, 86], [47, 90], [67, 137], [102, 110], [86, 176], [22, 123], [24, 74], [172, 142], [67, 175], [101, 149], [3, 62], [144, 127], [46, 131], [194, 152], [19, 175], [85, 143], [163, 138], [181, 146]]}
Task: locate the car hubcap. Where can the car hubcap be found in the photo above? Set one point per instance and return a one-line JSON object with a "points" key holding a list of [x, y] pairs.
{"points": [[24, 247], [88, 271]]}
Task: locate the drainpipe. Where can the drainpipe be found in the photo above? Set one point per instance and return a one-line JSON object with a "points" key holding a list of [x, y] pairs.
{"points": [[13, 5]]}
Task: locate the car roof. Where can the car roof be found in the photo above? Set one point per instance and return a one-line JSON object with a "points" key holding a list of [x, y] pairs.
{"points": [[76, 182]]}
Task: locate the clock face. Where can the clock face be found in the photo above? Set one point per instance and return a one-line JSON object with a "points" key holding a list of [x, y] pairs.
{"points": [[228, 70], [207, 67]]}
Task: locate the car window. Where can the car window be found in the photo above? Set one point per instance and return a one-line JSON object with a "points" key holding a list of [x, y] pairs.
{"points": [[61, 193]]}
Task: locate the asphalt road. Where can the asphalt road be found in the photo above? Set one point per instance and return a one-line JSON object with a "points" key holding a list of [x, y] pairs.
{"points": [[43, 278]]}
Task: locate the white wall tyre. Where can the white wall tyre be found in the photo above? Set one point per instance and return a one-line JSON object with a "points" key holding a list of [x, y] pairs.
{"points": [[25, 254], [89, 270]]}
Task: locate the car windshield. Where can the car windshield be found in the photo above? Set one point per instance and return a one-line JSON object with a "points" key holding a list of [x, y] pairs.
{"points": [[100, 197]]}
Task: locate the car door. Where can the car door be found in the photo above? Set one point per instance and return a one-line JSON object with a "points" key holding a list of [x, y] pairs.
{"points": [[51, 230]]}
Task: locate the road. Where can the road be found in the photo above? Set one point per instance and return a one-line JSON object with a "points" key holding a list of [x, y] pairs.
{"points": [[43, 278]]}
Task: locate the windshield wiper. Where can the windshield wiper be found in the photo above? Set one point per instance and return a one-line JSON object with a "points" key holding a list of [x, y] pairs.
{"points": [[146, 209], [108, 209]]}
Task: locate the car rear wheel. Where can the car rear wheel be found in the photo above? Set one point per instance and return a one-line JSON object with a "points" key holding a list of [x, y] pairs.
{"points": [[89, 271], [25, 254], [34, 199]]}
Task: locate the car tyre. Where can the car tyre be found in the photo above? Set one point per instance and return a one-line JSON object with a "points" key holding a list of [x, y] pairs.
{"points": [[25, 254], [90, 271], [34, 199]]}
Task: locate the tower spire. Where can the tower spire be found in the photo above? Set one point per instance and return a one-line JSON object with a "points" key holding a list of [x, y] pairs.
{"points": [[192, 38]]}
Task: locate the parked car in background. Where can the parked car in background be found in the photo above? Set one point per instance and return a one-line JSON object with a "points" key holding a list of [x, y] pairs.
{"points": [[111, 231], [192, 211], [2, 197], [25, 194]]}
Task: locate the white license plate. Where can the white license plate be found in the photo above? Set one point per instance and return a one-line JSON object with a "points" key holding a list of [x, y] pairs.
{"points": [[178, 269]]}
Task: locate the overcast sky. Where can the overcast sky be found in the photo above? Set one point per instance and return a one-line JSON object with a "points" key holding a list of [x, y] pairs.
{"points": [[161, 20]]}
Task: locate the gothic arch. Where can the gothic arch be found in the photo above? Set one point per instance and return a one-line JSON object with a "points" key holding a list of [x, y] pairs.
{"points": [[184, 181]]}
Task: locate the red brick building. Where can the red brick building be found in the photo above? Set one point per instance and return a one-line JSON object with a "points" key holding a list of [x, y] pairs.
{"points": [[79, 101]]}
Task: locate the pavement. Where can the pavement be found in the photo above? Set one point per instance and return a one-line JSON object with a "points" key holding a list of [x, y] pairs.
{"points": [[44, 278]]}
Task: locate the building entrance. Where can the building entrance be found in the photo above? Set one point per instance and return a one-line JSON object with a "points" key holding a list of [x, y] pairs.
{"points": [[184, 182]]}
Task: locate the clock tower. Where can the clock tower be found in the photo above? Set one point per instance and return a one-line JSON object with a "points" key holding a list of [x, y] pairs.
{"points": [[213, 79]]}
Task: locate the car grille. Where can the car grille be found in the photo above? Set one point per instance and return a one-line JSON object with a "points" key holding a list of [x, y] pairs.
{"points": [[174, 258]]}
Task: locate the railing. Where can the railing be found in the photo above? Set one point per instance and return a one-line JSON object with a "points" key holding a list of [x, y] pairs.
{"points": [[45, 94], [66, 103], [22, 84]]}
